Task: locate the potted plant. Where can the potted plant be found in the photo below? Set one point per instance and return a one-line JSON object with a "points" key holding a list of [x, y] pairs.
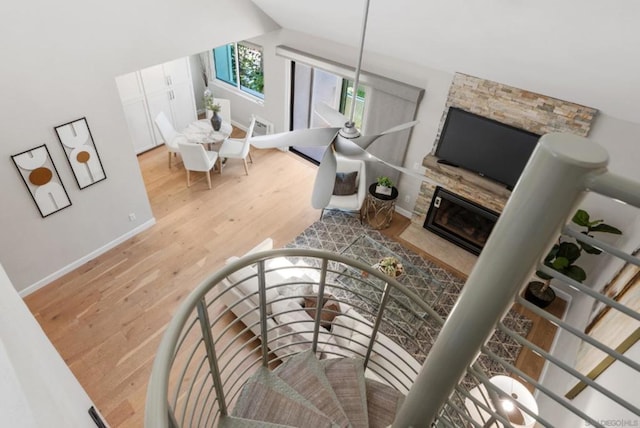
{"points": [[390, 266], [563, 256], [384, 185], [216, 120]]}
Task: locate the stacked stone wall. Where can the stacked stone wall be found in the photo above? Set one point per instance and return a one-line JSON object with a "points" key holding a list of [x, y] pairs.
{"points": [[513, 106]]}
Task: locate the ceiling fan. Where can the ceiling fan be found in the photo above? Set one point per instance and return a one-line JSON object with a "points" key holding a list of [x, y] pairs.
{"points": [[344, 138]]}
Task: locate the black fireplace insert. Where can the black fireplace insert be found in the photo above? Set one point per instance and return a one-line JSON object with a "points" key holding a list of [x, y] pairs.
{"points": [[460, 220]]}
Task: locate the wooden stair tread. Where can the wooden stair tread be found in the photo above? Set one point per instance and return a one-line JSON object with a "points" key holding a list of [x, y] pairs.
{"points": [[304, 373], [235, 422], [383, 402], [265, 397], [346, 376], [268, 405], [306, 392]]}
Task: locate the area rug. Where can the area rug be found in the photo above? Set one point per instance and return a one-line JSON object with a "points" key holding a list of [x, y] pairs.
{"points": [[337, 230]]}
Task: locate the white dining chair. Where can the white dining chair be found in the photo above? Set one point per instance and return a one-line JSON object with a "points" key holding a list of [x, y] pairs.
{"points": [[170, 136], [233, 148], [196, 158]]}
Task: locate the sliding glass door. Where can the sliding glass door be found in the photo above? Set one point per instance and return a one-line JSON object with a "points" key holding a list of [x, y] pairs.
{"points": [[311, 86]]}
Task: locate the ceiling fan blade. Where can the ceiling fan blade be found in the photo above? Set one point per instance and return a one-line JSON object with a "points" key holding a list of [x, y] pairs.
{"points": [[325, 180], [368, 157], [300, 137], [331, 116], [365, 141]]}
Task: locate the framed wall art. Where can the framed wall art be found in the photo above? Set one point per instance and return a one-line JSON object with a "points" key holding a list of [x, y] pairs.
{"points": [[610, 326], [80, 150], [39, 174]]}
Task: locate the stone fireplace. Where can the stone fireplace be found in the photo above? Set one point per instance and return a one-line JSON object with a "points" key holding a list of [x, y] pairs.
{"points": [[523, 109], [460, 220]]}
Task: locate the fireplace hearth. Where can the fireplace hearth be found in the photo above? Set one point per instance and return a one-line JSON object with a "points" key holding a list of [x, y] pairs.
{"points": [[460, 220]]}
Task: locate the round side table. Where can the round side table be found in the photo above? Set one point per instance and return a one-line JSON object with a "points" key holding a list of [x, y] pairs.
{"points": [[378, 209]]}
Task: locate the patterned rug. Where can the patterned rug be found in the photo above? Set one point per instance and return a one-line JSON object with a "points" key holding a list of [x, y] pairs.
{"points": [[337, 230]]}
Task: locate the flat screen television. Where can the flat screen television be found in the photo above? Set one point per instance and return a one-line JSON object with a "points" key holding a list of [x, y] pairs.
{"points": [[490, 148]]}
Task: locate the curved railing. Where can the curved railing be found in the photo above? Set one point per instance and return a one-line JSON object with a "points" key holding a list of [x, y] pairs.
{"points": [[215, 340], [213, 343]]}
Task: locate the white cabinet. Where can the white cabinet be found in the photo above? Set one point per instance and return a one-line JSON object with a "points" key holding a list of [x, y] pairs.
{"points": [[136, 112], [162, 88]]}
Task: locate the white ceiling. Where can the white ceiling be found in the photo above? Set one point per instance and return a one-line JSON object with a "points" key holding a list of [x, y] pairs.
{"points": [[584, 51]]}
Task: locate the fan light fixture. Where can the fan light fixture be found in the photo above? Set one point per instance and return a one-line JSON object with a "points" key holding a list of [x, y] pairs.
{"points": [[343, 139], [349, 129]]}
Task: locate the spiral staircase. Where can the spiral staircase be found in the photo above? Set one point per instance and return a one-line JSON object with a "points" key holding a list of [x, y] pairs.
{"points": [[218, 368], [307, 392]]}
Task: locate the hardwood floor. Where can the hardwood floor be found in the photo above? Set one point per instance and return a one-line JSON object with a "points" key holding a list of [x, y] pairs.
{"points": [[106, 318]]}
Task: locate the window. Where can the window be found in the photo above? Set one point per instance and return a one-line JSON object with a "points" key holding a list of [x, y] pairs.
{"points": [[240, 64], [346, 98]]}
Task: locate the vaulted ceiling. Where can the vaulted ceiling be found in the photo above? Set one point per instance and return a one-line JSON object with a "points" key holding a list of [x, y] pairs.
{"points": [[585, 51]]}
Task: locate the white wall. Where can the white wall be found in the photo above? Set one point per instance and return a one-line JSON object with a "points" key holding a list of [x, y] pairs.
{"points": [[37, 387], [59, 64]]}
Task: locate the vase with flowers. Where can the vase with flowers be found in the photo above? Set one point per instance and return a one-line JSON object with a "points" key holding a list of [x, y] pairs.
{"points": [[216, 120]]}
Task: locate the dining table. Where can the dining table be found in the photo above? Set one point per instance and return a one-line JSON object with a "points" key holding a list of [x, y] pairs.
{"points": [[202, 132]]}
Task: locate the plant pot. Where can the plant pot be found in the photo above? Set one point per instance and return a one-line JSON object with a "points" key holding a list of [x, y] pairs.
{"points": [[216, 121], [538, 296], [383, 190]]}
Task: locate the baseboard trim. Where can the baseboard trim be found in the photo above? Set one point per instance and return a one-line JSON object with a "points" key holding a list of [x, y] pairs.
{"points": [[406, 213], [92, 255]]}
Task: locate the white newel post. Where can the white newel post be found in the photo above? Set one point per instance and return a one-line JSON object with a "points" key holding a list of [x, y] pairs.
{"points": [[549, 189]]}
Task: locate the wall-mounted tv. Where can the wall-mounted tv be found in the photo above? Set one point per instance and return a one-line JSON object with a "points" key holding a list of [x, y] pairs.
{"points": [[490, 148]]}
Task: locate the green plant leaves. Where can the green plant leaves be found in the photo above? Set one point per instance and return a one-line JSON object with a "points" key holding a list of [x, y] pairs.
{"points": [[575, 272], [605, 228], [384, 181], [543, 275], [568, 250], [563, 255], [581, 218], [560, 263], [589, 249]]}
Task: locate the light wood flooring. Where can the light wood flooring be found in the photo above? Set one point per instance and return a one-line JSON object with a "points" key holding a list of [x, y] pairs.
{"points": [[106, 318]]}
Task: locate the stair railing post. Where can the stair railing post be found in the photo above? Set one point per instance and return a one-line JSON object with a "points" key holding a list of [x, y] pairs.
{"points": [[549, 189], [376, 325], [212, 358], [319, 304], [262, 298]]}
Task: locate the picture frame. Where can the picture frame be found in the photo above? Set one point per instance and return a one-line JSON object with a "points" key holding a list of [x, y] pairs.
{"points": [[43, 182], [81, 153], [610, 327]]}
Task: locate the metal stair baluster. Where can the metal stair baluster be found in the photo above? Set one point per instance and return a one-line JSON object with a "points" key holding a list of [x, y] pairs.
{"points": [[205, 325]]}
